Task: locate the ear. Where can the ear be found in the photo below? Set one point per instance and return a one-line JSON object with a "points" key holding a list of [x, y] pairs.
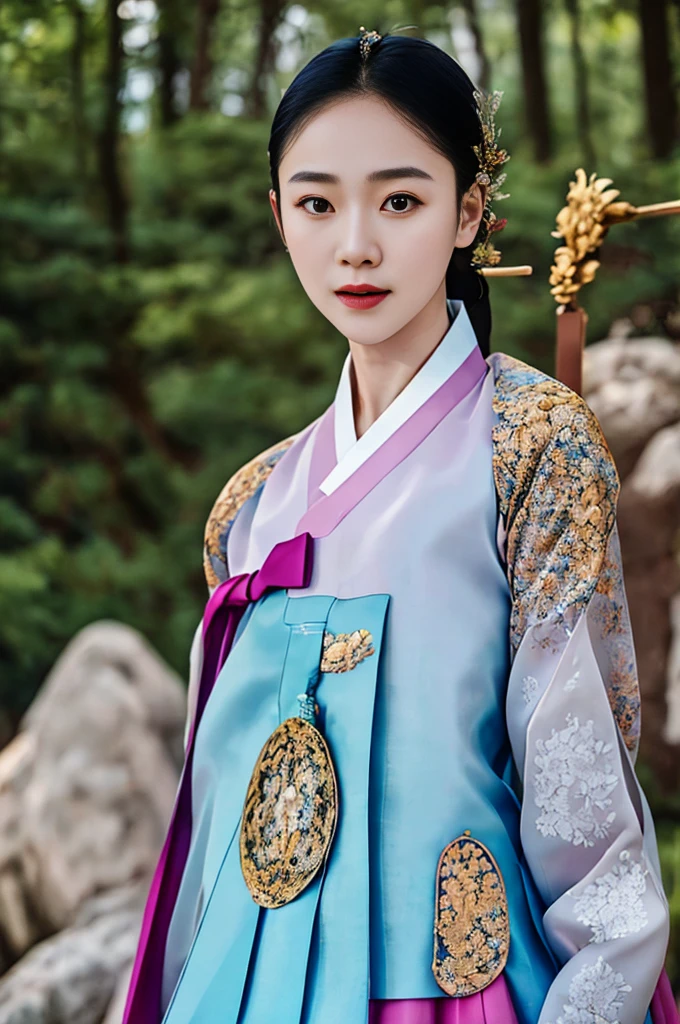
{"points": [[471, 211], [277, 215]]}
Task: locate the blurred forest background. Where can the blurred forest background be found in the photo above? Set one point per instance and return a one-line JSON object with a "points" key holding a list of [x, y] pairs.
{"points": [[153, 335]]}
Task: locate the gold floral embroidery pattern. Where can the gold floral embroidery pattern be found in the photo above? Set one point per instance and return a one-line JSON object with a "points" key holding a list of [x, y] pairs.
{"points": [[471, 928], [558, 487], [289, 814], [554, 475], [343, 651], [238, 489]]}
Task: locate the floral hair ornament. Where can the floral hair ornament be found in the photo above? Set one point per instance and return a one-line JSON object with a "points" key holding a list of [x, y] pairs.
{"points": [[491, 158]]}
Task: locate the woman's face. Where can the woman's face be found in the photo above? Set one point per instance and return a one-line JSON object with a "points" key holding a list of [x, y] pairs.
{"points": [[366, 200]]}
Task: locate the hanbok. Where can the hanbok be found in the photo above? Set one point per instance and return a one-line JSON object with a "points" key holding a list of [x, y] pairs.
{"points": [[451, 584]]}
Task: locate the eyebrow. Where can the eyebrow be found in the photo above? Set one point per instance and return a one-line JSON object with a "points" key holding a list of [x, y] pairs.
{"points": [[388, 174]]}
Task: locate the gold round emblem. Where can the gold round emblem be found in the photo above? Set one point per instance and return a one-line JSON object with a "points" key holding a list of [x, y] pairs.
{"points": [[289, 813], [471, 926]]}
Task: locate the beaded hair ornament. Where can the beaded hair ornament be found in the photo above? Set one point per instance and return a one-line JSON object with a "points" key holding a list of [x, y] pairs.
{"points": [[490, 156]]}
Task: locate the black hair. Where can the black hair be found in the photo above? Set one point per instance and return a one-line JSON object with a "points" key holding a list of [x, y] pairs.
{"points": [[432, 93]]}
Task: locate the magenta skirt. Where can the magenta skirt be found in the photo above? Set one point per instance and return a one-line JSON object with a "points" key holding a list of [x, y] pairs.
{"points": [[491, 1006]]}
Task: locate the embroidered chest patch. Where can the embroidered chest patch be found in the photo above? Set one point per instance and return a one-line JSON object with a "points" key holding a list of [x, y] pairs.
{"points": [[343, 651]]}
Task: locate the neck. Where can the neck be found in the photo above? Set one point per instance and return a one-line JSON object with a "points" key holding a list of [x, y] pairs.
{"points": [[380, 372]]}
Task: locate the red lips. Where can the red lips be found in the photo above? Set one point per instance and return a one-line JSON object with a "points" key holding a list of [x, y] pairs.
{"points": [[351, 296], [360, 288]]}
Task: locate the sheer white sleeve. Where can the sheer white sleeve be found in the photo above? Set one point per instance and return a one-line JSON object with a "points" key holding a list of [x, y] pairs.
{"points": [[573, 720]]}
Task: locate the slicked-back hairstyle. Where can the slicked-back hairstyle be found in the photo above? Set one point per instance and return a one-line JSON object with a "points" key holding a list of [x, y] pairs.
{"points": [[434, 96]]}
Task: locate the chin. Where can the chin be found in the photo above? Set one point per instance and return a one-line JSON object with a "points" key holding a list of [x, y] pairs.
{"points": [[362, 327], [368, 340]]}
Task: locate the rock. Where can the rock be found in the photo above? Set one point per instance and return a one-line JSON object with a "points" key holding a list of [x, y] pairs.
{"points": [[633, 387], [672, 730], [114, 1014], [20, 923], [88, 785], [621, 358], [71, 977]]}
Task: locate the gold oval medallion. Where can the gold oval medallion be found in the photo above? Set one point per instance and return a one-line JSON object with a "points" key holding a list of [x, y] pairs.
{"points": [[471, 929], [289, 814]]}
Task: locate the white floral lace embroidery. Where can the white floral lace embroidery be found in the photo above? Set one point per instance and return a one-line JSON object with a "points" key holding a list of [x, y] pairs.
{"points": [[573, 681], [573, 779], [595, 995], [612, 904], [529, 688]]}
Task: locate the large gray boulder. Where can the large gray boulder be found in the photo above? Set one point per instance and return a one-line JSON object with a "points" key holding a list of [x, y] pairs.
{"points": [[86, 792], [633, 387], [71, 978]]}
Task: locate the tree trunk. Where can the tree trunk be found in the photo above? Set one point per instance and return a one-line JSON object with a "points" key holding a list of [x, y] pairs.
{"points": [[530, 25], [661, 103], [201, 75], [583, 118], [79, 126], [169, 62], [109, 137], [270, 16], [472, 14]]}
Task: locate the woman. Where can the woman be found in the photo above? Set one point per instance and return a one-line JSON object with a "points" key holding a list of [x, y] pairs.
{"points": [[429, 704]]}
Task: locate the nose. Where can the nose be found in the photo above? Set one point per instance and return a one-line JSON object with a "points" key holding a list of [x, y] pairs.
{"points": [[357, 243]]}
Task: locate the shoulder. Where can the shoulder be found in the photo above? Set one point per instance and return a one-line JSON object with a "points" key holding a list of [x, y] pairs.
{"points": [[237, 490], [546, 439]]}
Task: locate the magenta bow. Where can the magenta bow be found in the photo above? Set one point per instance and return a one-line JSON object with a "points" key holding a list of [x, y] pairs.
{"points": [[289, 564]]}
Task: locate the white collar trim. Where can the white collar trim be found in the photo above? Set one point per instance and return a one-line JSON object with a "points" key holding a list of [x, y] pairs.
{"points": [[454, 348]]}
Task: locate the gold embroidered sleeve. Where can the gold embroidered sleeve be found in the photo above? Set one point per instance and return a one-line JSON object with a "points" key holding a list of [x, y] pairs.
{"points": [[235, 493], [564, 558], [557, 542], [558, 488]]}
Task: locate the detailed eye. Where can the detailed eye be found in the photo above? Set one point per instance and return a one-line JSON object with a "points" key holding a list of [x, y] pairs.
{"points": [[399, 198], [313, 199]]}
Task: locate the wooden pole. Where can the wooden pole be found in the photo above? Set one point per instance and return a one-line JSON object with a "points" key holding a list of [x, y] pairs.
{"points": [[571, 339]]}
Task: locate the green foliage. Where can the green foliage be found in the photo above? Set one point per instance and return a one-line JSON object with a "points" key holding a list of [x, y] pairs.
{"points": [[668, 835], [129, 394]]}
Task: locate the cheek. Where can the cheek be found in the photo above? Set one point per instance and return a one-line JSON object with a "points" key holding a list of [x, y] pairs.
{"points": [[302, 225], [310, 256], [428, 244], [309, 243], [433, 225]]}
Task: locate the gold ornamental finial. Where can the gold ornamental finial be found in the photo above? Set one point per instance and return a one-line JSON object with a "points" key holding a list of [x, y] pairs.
{"points": [[583, 224]]}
